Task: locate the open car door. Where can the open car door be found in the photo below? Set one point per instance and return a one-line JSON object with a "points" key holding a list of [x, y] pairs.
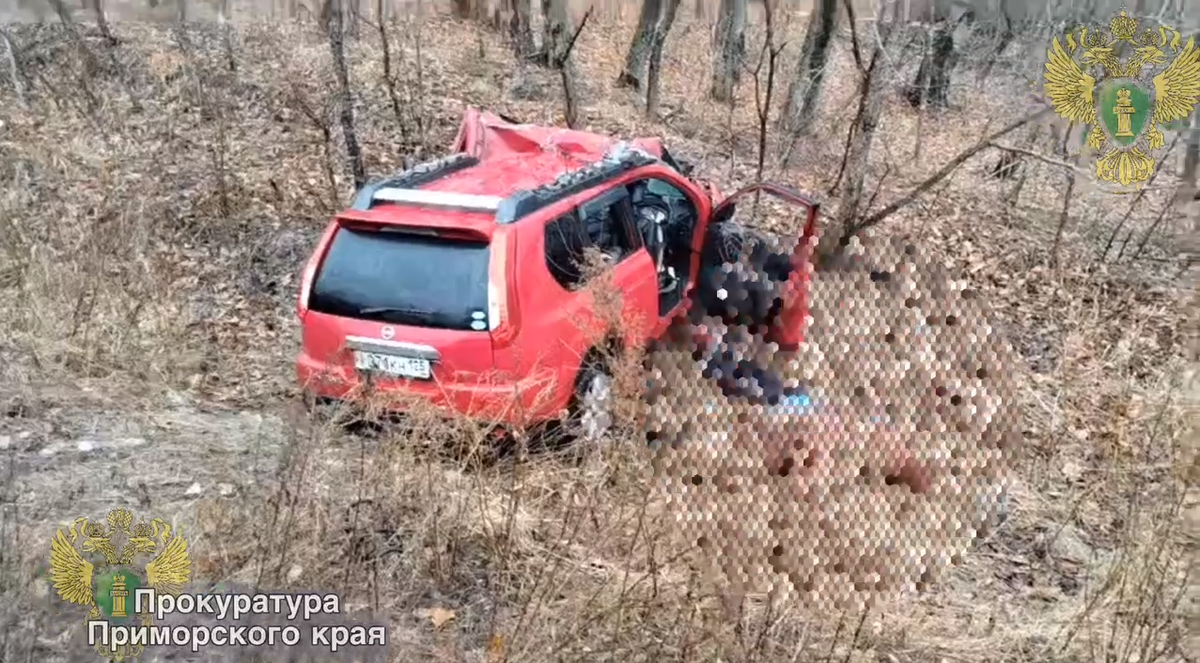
{"points": [[786, 210]]}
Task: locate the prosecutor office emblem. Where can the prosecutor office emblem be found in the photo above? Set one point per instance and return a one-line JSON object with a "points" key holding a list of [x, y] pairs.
{"points": [[1119, 83], [101, 567]]}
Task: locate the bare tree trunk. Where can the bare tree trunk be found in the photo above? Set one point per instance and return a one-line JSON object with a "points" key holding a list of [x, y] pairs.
{"points": [[102, 23], [321, 123], [729, 49], [547, 33], [804, 92], [325, 15], [916, 92], [389, 80], [643, 42], [91, 66], [520, 28], [1014, 196], [658, 40], [337, 46], [226, 34], [1064, 215], [462, 9], [1191, 161], [859, 151], [496, 18], [64, 13], [698, 10], [18, 82], [858, 156], [763, 103], [810, 36], [1006, 38], [942, 61], [932, 84], [558, 49], [212, 109]]}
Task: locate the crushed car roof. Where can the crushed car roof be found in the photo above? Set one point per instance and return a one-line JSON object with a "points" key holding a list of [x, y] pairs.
{"points": [[488, 137], [506, 160]]}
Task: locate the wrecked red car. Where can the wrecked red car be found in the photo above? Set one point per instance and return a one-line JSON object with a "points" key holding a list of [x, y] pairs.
{"points": [[461, 282]]}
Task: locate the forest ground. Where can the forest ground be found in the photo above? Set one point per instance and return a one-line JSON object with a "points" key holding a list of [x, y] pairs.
{"points": [[158, 208]]}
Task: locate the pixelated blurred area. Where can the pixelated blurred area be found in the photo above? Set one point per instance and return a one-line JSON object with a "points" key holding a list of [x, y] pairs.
{"points": [[893, 464]]}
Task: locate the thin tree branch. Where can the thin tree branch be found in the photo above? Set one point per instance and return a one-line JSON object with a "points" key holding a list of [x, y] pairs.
{"points": [[1150, 231], [1138, 198], [941, 174], [854, 47], [561, 60], [887, 170], [1036, 155]]}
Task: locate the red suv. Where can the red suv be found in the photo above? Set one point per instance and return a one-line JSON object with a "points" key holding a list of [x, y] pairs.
{"points": [[459, 282]]}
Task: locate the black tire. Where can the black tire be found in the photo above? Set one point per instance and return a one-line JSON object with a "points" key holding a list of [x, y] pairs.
{"points": [[587, 419]]}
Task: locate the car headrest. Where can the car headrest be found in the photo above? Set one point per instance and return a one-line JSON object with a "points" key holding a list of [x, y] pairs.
{"points": [[638, 194]]}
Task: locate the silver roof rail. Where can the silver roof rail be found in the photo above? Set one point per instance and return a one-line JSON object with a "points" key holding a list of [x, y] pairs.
{"points": [[439, 199]]}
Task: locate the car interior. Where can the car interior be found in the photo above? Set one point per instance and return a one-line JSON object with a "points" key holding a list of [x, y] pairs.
{"points": [[666, 220], [604, 223]]}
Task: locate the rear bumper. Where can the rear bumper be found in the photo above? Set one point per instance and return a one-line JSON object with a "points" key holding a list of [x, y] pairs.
{"points": [[532, 400]]}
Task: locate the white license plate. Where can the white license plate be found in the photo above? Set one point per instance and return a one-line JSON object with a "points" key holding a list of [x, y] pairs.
{"points": [[407, 367]]}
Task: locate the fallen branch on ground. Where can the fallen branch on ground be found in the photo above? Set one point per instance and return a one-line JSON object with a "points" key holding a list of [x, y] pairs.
{"points": [[1036, 155], [1138, 198], [941, 174]]}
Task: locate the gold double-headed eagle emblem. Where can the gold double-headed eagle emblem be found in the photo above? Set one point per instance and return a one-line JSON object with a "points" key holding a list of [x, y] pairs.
{"points": [[1121, 92], [102, 568]]}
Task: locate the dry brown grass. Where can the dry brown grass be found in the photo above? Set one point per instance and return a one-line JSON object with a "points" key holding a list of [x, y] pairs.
{"points": [[148, 273]]}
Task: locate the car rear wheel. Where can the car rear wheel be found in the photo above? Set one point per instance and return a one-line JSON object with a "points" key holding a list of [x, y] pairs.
{"points": [[592, 412]]}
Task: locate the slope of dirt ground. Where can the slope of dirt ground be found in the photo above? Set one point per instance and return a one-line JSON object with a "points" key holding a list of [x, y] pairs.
{"points": [[158, 207]]}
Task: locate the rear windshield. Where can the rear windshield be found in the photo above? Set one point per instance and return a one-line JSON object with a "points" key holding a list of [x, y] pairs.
{"points": [[404, 278]]}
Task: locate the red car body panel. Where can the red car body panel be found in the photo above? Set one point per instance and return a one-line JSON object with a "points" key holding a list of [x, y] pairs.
{"points": [[523, 369]]}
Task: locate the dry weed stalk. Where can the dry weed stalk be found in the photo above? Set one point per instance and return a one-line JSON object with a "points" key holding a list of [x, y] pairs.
{"points": [[320, 118]]}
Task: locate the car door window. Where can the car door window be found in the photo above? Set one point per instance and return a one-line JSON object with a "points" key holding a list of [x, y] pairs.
{"points": [[667, 191], [564, 245], [606, 221], [658, 202]]}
